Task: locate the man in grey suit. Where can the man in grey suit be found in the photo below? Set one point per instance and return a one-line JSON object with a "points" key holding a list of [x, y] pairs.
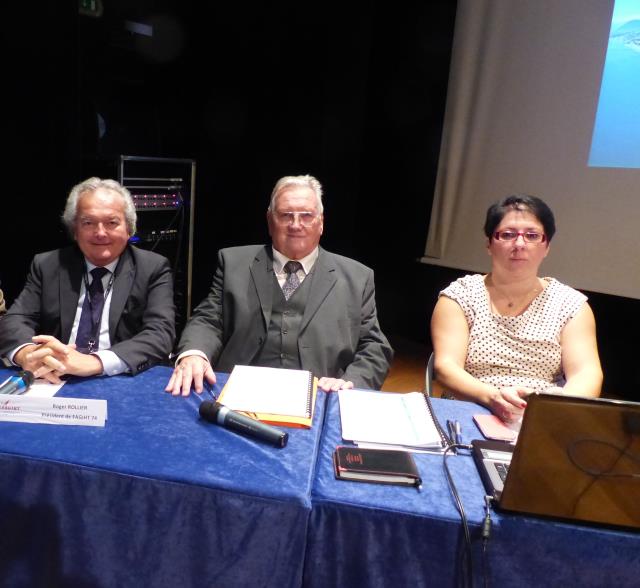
{"points": [[98, 307], [290, 304]]}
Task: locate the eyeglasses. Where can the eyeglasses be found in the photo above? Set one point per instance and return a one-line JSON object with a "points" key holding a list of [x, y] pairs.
{"points": [[306, 219], [528, 236]]}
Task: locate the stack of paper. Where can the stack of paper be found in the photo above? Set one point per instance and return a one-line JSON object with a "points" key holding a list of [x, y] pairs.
{"points": [[272, 395], [393, 420]]}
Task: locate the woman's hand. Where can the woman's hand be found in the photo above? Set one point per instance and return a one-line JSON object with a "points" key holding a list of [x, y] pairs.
{"points": [[508, 403]]}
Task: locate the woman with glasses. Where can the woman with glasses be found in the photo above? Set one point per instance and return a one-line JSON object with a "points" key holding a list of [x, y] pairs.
{"points": [[501, 336]]}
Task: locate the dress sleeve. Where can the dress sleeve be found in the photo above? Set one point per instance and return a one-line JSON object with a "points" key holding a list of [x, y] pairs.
{"points": [[464, 292], [569, 301]]}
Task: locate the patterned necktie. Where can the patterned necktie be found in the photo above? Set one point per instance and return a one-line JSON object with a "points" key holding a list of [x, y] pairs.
{"points": [[292, 282], [88, 336]]}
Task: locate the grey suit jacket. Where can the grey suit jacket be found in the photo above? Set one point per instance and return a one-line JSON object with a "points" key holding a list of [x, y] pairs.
{"points": [[141, 315], [339, 337]]}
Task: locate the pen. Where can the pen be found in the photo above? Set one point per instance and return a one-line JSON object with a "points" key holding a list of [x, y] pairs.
{"points": [[452, 431], [18, 391], [458, 432], [209, 388]]}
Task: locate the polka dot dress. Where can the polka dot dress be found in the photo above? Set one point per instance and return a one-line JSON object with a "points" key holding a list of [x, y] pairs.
{"points": [[515, 350]]}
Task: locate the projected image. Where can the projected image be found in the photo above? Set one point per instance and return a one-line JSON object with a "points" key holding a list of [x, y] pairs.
{"points": [[616, 133]]}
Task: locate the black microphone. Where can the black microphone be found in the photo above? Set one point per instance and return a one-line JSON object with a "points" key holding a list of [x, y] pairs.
{"points": [[18, 384], [217, 413]]}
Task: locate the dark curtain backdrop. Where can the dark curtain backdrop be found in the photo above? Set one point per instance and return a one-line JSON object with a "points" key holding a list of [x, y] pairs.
{"points": [[353, 94]]}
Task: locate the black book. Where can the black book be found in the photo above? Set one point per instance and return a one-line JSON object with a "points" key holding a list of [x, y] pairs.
{"points": [[383, 466]]}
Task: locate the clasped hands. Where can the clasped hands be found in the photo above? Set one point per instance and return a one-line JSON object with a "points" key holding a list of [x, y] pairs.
{"points": [[50, 359], [196, 370]]}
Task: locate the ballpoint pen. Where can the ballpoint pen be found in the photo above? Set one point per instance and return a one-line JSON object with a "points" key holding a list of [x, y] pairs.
{"points": [[209, 388], [458, 432], [452, 431], [17, 384]]}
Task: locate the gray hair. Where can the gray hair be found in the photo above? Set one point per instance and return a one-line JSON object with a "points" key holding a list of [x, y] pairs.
{"points": [[305, 181], [91, 185]]}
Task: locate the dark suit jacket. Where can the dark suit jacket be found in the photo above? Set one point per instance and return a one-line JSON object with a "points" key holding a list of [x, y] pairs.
{"points": [[141, 315], [339, 337]]}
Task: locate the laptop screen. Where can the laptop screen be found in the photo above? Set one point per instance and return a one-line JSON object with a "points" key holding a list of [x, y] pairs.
{"points": [[577, 459]]}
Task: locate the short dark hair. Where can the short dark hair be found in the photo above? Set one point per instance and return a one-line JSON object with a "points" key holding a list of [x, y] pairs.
{"points": [[532, 204]]}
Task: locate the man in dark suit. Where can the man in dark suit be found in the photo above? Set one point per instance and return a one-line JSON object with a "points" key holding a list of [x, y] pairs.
{"points": [[318, 315], [98, 307]]}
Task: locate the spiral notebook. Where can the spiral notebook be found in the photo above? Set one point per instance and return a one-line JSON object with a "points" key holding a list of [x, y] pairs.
{"points": [[390, 420], [271, 395]]}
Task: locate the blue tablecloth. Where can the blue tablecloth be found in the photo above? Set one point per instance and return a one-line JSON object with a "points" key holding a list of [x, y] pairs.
{"points": [[363, 534], [157, 497], [160, 498]]}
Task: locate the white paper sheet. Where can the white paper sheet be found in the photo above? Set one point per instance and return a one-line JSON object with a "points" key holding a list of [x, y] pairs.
{"points": [[268, 390], [43, 389], [387, 418]]}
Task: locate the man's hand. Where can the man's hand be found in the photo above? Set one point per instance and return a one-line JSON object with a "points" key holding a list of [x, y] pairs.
{"points": [[82, 364], [43, 358], [23, 358], [50, 359], [334, 384], [192, 369]]}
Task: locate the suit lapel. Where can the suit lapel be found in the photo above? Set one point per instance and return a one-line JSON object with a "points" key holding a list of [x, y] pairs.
{"points": [[324, 279], [122, 284], [262, 275], [72, 268]]}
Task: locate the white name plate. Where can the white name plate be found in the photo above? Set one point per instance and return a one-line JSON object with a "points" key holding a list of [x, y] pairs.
{"points": [[53, 411]]}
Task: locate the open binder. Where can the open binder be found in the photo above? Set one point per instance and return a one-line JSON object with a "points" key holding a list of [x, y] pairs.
{"points": [[390, 420], [272, 395]]}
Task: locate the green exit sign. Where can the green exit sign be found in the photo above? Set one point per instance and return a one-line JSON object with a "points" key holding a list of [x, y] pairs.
{"points": [[90, 7]]}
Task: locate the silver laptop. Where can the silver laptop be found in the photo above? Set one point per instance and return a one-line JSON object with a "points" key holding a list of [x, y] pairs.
{"points": [[576, 459], [493, 459]]}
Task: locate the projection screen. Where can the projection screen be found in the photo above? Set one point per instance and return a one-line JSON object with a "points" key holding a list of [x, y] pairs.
{"points": [[522, 101]]}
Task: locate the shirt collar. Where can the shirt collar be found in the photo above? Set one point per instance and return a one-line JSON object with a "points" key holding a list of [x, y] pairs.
{"points": [[110, 266], [307, 262]]}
